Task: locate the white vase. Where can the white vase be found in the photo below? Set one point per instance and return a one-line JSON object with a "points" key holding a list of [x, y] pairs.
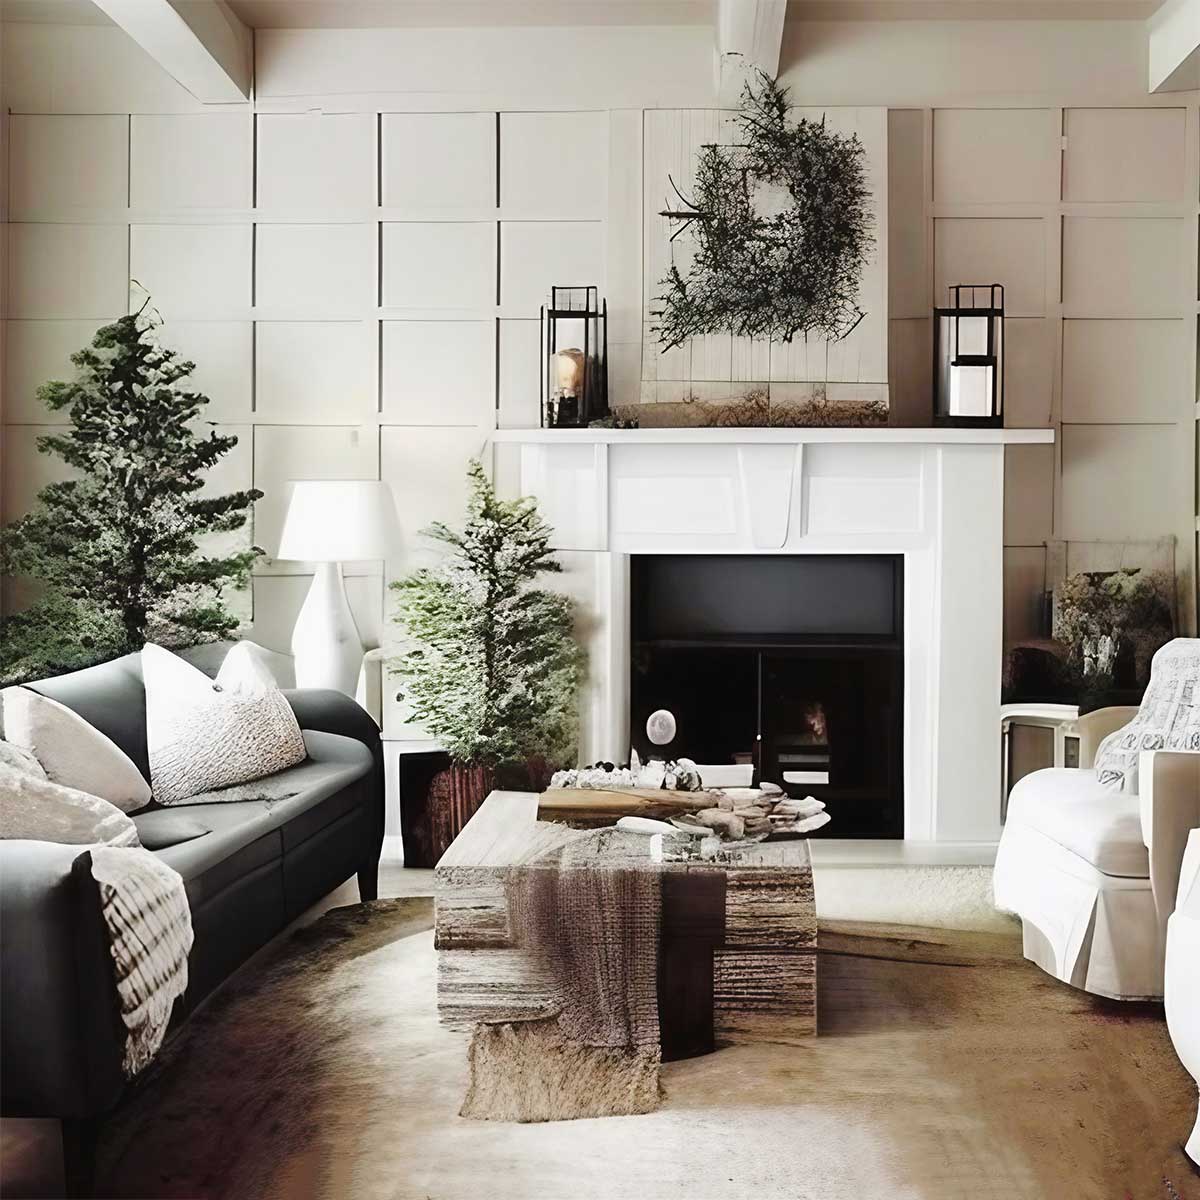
{"points": [[1182, 976], [325, 642]]}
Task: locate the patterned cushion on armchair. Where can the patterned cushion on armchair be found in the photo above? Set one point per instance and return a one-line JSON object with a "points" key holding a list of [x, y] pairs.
{"points": [[1167, 719]]}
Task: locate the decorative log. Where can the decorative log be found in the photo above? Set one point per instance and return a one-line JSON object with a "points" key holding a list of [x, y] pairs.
{"points": [[593, 808]]}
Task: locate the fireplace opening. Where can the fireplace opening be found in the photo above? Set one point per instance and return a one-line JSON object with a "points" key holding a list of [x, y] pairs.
{"points": [[791, 663]]}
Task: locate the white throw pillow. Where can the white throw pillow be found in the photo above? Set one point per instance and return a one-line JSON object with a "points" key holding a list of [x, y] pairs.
{"points": [[41, 810], [204, 734], [72, 752]]}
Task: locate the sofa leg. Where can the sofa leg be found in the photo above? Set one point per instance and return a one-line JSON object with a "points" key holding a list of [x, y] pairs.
{"points": [[368, 881], [79, 1138]]}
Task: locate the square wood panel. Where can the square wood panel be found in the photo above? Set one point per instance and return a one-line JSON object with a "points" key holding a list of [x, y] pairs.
{"points": [[536, 255], [995, 155], [191, 270], [439, 372], [439, 160], [67, 271], [555, 162], [222, 352], [37, 352], [1125, 155], [439, 264], [182, 162], [316, 270], [1124, 370], [1123, 266], [521, 369], [315, 371], [316, 161], [1010, 251], [59, 163]]}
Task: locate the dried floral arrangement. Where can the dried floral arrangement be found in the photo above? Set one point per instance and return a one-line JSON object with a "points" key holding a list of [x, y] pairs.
{"points": [[782, 231], [755, 410]]}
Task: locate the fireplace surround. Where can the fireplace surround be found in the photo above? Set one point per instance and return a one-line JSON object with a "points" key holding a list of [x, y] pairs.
{"points": [[931, 498], [791, 663]]}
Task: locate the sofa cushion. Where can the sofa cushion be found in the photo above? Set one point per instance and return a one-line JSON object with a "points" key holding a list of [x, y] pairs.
{"points": [[238, 837], [1071, 807], [159, 828]]}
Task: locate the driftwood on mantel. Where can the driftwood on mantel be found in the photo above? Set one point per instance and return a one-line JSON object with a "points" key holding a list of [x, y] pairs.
{"points": [[764, 972], [593, 808]]}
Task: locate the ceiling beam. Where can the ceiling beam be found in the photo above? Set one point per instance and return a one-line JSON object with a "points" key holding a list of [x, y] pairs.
{"points": [[749, 34], [1174, 46], [199, 43]]}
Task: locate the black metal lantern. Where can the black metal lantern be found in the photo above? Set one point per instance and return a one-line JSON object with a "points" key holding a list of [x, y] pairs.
{"points": [[574, 328], [968, 357]]}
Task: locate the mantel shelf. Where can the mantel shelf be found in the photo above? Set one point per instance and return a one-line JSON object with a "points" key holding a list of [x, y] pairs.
{"points": [[745, 436]]}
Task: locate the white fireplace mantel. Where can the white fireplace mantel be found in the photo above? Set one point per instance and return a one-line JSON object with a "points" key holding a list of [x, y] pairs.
{"points": [[935, 496]]}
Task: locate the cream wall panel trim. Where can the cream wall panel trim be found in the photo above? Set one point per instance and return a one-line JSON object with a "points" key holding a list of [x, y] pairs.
{"points": [[1122, 267], [531, 67], [1007, 251], [315, 270], [1118, 371], [61, 271], [316, 162], [995, 156], [439, 265], [315, 372], [286, 453], [37, 352], [556, 159], [439, 161], [67, 164], [439, 372], [520, 375], [1120, 155], [1028, 494], [190, 162], [536, 254], [190, 270], [1118, 482]]}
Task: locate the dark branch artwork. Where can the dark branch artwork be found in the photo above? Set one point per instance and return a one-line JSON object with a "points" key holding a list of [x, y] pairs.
{"points": [[782, 231]]}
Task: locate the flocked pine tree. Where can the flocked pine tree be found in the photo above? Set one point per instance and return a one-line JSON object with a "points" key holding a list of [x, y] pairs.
{"points": [[115, 552], [492, 667]]}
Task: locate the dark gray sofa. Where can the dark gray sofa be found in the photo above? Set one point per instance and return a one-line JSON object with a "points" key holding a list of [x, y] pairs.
{"points": [[249, 868]]}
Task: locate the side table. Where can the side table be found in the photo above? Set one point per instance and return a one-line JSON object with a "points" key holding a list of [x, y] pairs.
{"points": [[1060, 718]]}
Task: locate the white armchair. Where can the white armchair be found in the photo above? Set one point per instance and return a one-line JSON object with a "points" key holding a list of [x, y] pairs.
{"points": [[1092, 869], [1183, 973]]}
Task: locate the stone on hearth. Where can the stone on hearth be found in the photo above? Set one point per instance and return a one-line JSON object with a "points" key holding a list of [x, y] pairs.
{"points": [[726, 823]]}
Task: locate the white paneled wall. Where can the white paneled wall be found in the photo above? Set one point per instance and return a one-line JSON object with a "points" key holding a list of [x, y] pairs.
{"points": [[359, 290], [1088, 216]]}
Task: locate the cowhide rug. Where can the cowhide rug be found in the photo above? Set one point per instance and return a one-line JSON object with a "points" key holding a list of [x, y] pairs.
{"points": [[946, 1067]]}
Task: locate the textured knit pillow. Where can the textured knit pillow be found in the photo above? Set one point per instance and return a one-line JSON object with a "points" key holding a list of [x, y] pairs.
{"points": [[41, 810], [204, 734], [72, 752], [1167, 719]]}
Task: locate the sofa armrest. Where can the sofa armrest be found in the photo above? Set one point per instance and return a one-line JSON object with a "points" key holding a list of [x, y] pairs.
{"points": [[61, 1036], [1095, 726], [1169, 800], [328, 711]]}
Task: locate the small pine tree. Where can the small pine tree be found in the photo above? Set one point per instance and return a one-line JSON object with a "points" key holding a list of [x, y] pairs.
{"points": [[114, 551], [492, 668]]}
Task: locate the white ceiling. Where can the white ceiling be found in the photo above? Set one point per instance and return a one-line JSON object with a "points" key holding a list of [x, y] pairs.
{"points": [[352, 14]]}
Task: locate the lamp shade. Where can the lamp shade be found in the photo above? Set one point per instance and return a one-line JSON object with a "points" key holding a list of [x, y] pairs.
{"points": [[339, 520]]}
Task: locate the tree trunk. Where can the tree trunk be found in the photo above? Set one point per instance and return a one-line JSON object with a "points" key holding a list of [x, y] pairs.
{"points": [[455, 795]]}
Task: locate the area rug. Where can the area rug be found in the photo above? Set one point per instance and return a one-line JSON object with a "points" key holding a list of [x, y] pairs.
{"points": [[946, 1067]]}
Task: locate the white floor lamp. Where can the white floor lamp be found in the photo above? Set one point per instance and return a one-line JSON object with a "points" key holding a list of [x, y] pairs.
{"points": [[330, 522]]}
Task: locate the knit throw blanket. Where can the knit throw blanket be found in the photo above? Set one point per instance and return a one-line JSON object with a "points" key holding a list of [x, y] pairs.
{"points": [[590, 911], [150, 929]]}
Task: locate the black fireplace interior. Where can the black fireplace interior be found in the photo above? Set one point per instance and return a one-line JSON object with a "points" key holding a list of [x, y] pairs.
{"points": [[794, 663]]}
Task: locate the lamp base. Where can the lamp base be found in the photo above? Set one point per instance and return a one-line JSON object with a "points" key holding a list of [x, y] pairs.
{"points": [[325, 642]]}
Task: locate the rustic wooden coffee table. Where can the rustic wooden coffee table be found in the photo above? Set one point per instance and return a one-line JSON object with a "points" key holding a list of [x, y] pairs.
{"points": [[738, 940]]}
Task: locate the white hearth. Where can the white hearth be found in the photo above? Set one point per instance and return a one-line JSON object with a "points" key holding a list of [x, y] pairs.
{"points": [[936, 496]]}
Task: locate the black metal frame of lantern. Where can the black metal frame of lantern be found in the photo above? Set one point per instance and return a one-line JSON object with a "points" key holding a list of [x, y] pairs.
{"points": [[581, 304], [984, 350]]}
